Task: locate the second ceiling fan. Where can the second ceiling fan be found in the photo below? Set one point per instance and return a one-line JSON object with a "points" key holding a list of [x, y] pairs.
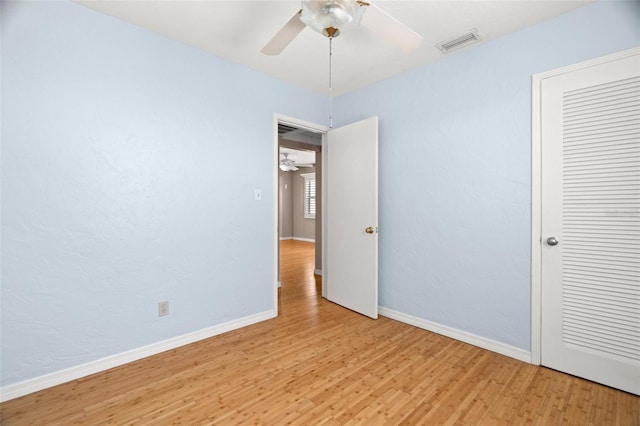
{"points": [[289, 165], [329, 17]]}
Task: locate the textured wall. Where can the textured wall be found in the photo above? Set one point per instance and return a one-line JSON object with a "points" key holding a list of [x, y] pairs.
{"points": [[116, 191], [115, 187], [455, 167]]}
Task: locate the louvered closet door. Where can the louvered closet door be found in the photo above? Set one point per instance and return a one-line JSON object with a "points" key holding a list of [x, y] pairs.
{"points": [[591, 206]]}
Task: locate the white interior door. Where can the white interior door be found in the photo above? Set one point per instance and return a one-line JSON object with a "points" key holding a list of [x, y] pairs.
{"points": [[590, 226], [350, 273]]}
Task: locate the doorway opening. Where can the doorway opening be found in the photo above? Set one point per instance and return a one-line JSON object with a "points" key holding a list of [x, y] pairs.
{"points": [[299, 204], [347, 231]]}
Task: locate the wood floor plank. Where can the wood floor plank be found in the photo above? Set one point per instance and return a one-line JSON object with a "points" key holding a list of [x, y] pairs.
{"points": [[320, 364], [628, 409], [511, 396]]}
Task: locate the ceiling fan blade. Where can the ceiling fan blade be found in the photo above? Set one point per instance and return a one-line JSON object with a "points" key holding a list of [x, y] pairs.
{"points": [[392, 29], [285, 36]]}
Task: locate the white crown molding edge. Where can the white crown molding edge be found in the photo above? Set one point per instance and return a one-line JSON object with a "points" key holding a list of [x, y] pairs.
{"points": [[53, 379], [454, 333]]}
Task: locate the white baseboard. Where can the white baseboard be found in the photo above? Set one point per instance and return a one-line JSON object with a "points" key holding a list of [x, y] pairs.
{"points": [[454, 333], [318, 272], [83, 370], [309, 240]]}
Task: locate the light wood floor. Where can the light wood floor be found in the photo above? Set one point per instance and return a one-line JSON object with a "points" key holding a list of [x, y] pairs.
{"points": [[320, 364]]}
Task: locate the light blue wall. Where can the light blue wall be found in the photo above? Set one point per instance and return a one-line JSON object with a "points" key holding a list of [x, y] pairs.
{"points": [[455, 171], [121, 187]]}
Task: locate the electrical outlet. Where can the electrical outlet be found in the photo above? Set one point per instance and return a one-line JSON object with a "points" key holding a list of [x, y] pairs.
{"points": [[163, 309]]}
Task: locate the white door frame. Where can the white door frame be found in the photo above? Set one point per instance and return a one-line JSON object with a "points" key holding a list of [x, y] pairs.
{"points": [[301, 124], [536, 191]]}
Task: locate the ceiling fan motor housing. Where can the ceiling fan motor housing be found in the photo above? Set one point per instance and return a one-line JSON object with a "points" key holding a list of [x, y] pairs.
{"points": [[329, 17], [332, 17]]}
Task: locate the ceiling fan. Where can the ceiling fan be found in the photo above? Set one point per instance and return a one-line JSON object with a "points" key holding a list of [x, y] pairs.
{"points": [[329, 17], [288, 165]]}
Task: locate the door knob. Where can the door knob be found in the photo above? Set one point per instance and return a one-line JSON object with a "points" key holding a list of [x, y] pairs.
{"points": [[552, 241], [369, 230]]}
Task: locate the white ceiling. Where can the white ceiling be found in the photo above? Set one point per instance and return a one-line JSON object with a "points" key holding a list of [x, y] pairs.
{"points": [[237, 30], [298, 156]]}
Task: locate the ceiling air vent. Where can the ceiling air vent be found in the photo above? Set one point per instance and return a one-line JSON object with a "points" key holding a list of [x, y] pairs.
{"points": [[459, 41]]}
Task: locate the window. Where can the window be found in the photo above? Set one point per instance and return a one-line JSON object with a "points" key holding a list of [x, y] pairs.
{"points": [[309, 195]]}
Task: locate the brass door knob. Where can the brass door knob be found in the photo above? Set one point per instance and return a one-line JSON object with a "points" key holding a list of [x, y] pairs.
{"points": [[369, 230]]}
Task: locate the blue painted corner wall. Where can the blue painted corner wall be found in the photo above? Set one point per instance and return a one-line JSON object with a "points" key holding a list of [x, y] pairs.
{"points": [[455, 171], [117, 189]]}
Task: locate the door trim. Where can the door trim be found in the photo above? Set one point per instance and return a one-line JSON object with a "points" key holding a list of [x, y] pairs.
{"points": [[302, 124], [536, 190]]}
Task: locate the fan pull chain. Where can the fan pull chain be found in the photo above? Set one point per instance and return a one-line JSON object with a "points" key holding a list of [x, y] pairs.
{"points": [[330, 85]]}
